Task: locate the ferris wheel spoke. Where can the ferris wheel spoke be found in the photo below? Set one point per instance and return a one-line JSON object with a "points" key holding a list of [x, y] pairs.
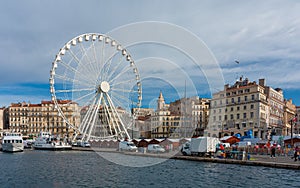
{"points": [[74, 90], [120, 74], [119, 96], [77, 60], [71, 80], [84, 52], [95, 57], [102, 62], [84, 96], [124, 90], [123, 82], [119, 62]]}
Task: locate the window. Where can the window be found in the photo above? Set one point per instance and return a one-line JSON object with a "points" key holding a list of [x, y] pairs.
{"points": [[251, 114], [232, 100], [231, 116], [252, 106], [225, 117], [252, 97], [245, 107], [238, 116], [245, 98], [231, 109], [239, 99], [238, 108], [244, 124], [245, 115]]}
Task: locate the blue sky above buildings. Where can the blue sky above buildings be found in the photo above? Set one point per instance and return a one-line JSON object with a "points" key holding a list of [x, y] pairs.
{"points": [[262, 36]]}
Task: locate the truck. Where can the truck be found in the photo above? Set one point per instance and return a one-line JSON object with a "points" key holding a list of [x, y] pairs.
{"points": [[200, 146], [127, 146]]}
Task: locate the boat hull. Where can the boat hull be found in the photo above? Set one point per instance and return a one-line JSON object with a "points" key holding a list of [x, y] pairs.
{"points": [[51, 147], [12, 147]]}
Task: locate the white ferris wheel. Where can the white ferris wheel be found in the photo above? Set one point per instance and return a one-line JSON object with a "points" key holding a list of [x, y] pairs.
{"points": [[96, 72]]}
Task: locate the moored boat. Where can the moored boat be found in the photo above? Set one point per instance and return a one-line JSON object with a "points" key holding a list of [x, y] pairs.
{"points": [[45, 141], [12, 142]]}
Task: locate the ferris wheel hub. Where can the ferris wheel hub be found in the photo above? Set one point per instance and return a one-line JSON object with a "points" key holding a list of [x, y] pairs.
{"points": [[104, 86]]}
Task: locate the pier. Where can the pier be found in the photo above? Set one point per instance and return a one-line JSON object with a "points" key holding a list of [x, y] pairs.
{"points": [[255, 160]]}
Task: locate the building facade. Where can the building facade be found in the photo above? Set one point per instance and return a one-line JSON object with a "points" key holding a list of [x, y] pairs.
{"points": [[185, 117], [275, 110], [238, 109], [288, 116], [30, 119]]}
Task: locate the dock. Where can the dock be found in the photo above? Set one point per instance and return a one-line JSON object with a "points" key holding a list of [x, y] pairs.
{"points": [[255, 160]]}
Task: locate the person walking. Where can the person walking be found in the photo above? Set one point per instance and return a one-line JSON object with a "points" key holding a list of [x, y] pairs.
{"points": [[273, 150], [296, 153]]}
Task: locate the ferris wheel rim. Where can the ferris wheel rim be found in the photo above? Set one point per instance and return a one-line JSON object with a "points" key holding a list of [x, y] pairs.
{"points": [[104, 85]]}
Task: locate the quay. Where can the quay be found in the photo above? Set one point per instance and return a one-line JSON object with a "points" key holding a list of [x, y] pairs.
{"points": [[255, 160]]}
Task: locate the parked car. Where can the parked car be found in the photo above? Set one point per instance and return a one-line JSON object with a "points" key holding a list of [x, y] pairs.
{"points": [[155, 148], [127, 146]]}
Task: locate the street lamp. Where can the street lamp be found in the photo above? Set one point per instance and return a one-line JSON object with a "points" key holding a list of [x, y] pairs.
{"points": [[293, 120]]}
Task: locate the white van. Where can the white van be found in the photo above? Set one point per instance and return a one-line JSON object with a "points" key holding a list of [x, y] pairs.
{"points": [[127, 146], [155, 148], [242, 144]]}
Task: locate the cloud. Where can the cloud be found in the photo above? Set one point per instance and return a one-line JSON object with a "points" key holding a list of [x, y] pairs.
{"points": [[262, 35]]}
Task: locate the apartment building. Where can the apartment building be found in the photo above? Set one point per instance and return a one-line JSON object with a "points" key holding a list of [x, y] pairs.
{"points": [[185, 117], [30, 119], [239, 108], [288, 116], [275, 110]]}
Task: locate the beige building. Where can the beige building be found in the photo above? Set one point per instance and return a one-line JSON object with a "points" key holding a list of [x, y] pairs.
{"points": [[275, 110], [289, 113], [163, 123], [186, 117], [2, 119], [142, 122], [239, 108], [30, 118]]}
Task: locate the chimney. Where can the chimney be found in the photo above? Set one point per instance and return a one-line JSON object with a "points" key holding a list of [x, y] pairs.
{"points": [[262, 82]]}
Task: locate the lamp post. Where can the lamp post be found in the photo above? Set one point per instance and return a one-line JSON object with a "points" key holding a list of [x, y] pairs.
{"points": [[295, 120]]}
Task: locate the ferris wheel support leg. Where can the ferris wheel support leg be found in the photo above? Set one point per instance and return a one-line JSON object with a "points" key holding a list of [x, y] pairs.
{"points": [[121, 122], [85, 122], [95, 116], [107, 119], [112, 121]]}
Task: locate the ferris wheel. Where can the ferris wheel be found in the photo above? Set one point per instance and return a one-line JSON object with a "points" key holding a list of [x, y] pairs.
{"points": [[96, 72]]}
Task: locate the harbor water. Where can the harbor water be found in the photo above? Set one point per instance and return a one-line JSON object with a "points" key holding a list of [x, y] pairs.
{"points": [[33, 168]]}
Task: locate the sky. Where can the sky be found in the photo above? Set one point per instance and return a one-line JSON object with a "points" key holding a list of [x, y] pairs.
{"points": [[263, 36]]}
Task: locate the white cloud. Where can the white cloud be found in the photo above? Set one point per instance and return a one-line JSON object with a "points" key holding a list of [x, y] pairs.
{"points": [[262, 35]]}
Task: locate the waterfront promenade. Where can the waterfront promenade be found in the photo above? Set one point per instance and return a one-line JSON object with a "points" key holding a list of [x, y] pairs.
{"points": [[255, 160]]}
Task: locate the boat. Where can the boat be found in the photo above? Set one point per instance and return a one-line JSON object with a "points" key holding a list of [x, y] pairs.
{"points": [[46, 141], [12, 142]]}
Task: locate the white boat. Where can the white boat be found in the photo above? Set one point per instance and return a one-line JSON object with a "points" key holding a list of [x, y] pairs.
{"points": [[12, 142], [45, 141]]}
